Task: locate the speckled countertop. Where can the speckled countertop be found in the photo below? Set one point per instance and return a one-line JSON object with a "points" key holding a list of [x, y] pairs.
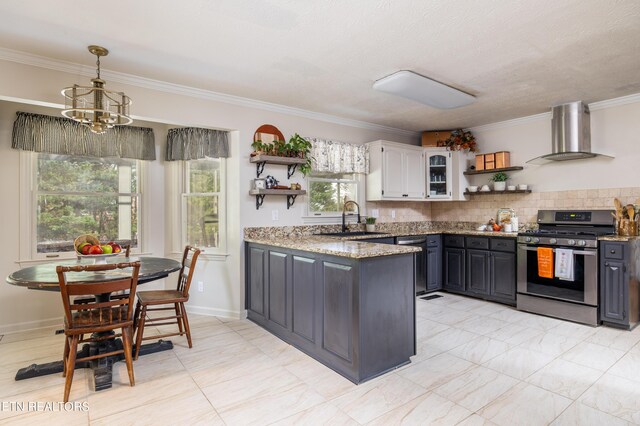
{"points": [[307, 239], [621, 238], [335, 246]]}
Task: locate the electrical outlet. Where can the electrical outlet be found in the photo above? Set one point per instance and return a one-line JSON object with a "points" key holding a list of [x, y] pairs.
{"points": [[274, 215], [375, 213], [393, 214], [200, 286]]}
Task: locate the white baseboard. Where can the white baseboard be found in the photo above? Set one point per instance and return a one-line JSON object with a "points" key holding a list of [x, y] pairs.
{"points": [[31, 325], [213, 312]]}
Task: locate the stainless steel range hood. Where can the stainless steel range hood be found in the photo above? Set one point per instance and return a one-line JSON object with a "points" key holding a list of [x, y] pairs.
{"points": [[570, 134]]}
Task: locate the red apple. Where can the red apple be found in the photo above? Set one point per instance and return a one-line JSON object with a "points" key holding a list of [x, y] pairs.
{"points": [[86, 248], [95, 250]]}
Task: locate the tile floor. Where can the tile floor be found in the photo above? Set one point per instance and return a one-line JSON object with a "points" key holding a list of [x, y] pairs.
{"points": [[478, 363]]}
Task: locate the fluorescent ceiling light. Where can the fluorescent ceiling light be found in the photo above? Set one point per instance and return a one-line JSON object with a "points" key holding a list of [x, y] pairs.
{"points": [[424, 90]]}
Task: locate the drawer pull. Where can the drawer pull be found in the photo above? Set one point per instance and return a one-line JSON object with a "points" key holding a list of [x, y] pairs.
{"points": [[613, 252]]}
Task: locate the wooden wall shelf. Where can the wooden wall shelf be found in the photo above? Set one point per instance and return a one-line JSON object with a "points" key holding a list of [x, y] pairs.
{"points": [[290, 193], [517, 191], [291, 163], [482, 172]]}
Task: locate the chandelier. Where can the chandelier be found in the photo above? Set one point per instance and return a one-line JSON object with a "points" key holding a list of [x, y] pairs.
{"points": [[96, 107]]}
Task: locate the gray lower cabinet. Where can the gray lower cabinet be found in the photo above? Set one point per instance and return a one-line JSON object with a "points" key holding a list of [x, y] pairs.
{"points": [[619, 284], [357, 316], [454, 269], [434, 268], [481, 266]]}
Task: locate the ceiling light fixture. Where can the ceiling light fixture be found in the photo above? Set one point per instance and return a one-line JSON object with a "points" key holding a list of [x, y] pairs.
{"points": [[96, 107], [424, 90]]}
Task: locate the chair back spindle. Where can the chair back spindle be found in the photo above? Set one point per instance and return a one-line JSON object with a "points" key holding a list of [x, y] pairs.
{"points": [[189, 259]]}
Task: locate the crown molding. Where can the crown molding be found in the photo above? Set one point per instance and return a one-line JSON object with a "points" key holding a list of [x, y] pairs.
{"points": [[178, 89], [609, 103]]}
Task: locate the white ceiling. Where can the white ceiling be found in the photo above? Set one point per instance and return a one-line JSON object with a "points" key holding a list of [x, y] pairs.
{"points": [[518, 57]]}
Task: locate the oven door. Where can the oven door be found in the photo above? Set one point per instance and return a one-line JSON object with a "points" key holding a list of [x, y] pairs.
{"points": [[583, 289]]}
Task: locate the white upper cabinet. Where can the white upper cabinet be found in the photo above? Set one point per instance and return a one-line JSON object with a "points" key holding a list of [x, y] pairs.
{"points": [[396, 172], [444, 176]]}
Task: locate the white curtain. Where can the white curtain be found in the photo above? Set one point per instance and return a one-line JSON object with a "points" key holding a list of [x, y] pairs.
{"points": [[338, 157]]}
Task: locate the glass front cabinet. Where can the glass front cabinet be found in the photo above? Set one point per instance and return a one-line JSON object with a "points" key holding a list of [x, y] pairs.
{"points": [[444, 174]]}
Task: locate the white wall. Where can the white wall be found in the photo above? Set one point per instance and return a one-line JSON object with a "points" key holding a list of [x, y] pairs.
{"points": [[223, 280], [615, 131]]}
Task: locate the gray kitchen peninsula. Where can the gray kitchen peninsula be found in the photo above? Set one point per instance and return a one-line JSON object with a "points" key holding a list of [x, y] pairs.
{"points": [[350, 305]]}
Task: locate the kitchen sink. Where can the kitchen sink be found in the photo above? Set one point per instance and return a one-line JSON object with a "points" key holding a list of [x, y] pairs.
{"points": [[351, 234]]}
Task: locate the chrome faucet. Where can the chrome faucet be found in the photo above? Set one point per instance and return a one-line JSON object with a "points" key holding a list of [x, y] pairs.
{"points": [[344, 211]]}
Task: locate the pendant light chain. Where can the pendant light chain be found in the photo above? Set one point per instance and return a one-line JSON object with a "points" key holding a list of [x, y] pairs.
{"points": [[98, 64]]}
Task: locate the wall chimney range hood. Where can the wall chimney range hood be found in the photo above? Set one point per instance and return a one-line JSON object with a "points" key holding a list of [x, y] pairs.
{"points": [[570, 134]]}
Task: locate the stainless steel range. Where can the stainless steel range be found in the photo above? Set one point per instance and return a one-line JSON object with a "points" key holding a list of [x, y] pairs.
{"points": [[570, 292]]}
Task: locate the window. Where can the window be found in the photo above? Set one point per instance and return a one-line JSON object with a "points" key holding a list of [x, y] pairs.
{"points": [[203, 201], [82, 195], [327, 192]]}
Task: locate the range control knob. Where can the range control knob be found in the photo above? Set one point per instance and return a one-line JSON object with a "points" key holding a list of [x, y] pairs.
{"points": [[582, 243], [536, 240], [527, 239], [571, 242], [553, 241]]}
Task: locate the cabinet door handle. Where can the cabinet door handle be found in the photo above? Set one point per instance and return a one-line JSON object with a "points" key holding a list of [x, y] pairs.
{"points": [[612, 252], [614, 268]]}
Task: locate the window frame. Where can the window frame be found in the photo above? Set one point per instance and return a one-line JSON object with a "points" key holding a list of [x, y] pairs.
{"points": [[183, 193], [28, 251], [333, 217]]}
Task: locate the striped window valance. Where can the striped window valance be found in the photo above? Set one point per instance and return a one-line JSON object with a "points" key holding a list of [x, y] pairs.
{"points": [[58, 135], [338, 157], [192, 143]]}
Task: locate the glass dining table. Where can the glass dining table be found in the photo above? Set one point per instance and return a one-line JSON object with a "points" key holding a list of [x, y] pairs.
{"points": [[44, 277]]}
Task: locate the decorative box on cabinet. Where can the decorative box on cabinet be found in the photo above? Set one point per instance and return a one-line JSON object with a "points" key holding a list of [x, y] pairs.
{"points": [[396, 172]]}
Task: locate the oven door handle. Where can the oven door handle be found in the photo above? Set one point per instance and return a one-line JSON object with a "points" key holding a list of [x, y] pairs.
{"points": [[582, 252]]}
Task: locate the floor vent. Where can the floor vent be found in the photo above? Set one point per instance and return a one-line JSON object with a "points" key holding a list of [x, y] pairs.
{"points": [[433, 296]]}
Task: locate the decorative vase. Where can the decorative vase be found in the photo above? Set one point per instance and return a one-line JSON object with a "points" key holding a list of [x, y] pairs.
{"points": [[370, 227], [499, 186]]}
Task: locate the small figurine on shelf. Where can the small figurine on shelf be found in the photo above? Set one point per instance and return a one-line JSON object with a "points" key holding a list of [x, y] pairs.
{"points": [[270, 182]]}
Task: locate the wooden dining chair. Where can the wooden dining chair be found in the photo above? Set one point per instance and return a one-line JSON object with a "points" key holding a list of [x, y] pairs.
{"points": [[100, 316], [167, 300]]}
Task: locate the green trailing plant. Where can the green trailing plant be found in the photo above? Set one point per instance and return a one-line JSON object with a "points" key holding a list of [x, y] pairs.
{"points": [[371, 220], [499, 177], [301, 148]]}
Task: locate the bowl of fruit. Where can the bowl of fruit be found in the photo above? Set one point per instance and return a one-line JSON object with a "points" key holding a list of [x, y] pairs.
{"points": [[89, 247]]}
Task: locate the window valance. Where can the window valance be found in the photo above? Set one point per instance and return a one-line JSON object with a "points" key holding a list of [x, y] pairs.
{"points": [[338, 157], [192, 143], [59, 135]]}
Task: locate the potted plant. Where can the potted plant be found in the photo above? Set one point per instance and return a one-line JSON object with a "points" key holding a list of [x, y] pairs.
{"points": [[259, 148], [301, 148], [461, 140], [370, 224], [499, 181]]}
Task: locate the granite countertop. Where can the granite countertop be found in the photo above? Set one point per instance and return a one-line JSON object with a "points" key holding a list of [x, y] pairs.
{"points": [[431, 232], [335, 246], [621, 238]]}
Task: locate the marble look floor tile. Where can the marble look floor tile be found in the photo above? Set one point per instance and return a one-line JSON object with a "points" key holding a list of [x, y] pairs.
{"points": [[551, 344], [481, 349], [371, 400], [485, 326], [580, 415], [565, 378], [224, 395], [525, 405], [319, 415], [614, 339], [616, 396], [518, 362], [427, 409], [191, 408], [467, 304], [30, 334], [538, 321], [194, 361], [628, 367], [123, 398], [322, 379], [10, 386], [475, 420], [427, 328], [488, 309], [62, 418], [270, 407], [436, 371], [449, 339], [572, 329], [515, 334], [233, 368], [451, 316], [510, 315], [592, 355], [476, 387]]}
